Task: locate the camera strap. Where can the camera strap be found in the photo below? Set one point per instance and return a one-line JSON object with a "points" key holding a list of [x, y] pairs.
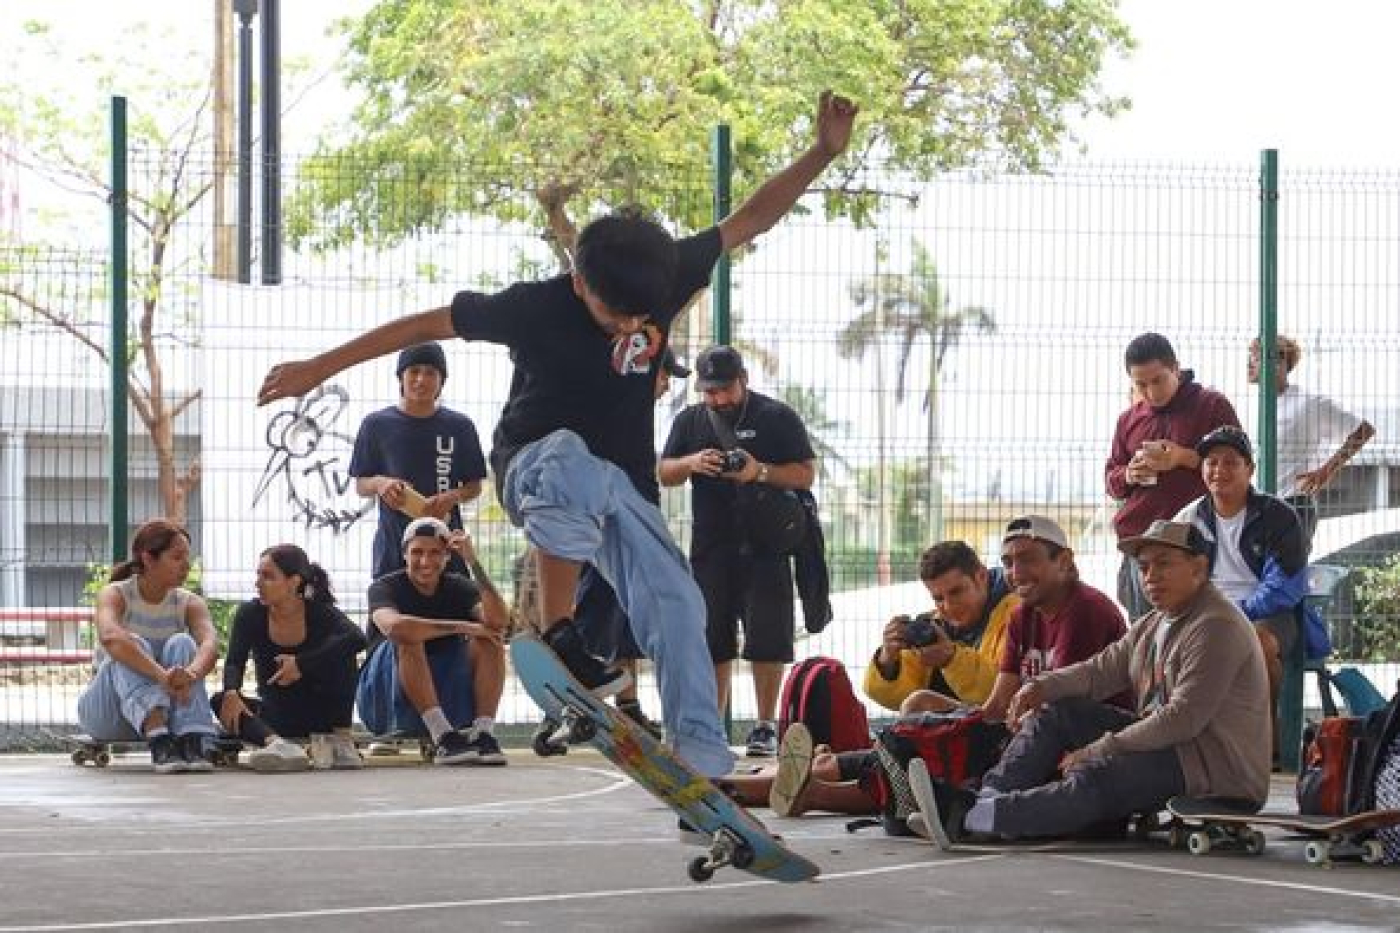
{"points": [[722, 430]]}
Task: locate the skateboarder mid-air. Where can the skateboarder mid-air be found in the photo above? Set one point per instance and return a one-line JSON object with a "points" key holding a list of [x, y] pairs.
{"points": [[574, 454]]}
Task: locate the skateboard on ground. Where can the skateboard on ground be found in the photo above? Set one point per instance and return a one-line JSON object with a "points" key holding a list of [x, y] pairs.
{"points": [[1203, 825], [737, 838], [85, 750]]}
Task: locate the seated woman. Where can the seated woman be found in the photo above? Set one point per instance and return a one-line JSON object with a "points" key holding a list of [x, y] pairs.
{"points": [[157, 645], [303, 651]]}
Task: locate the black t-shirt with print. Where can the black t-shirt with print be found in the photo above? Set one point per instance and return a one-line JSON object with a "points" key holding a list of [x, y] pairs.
{"points": [[455, 600], [766, 428], [570, 374]]}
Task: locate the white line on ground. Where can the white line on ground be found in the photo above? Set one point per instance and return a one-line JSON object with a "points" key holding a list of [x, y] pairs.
{"points": [[1231, 879], [381, 909]]}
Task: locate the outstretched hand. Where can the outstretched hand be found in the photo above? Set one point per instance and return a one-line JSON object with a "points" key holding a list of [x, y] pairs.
{"points": [[286, 380], [836, 115]]}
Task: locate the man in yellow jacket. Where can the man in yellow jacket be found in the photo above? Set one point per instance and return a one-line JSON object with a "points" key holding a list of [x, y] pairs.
{"points": [[948, 658]]}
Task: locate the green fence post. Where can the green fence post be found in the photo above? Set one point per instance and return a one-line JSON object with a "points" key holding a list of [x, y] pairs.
{"points": [[1290, 697], [117, 462], [722, 163]]}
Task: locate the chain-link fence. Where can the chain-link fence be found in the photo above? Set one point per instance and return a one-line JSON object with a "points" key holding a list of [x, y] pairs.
{"points": [[957, 363]]}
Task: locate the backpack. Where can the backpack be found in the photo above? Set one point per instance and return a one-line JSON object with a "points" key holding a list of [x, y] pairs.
{"points": [[774, 520], [1343, 760], [958, 747], [1358, 693], [818, 694]]}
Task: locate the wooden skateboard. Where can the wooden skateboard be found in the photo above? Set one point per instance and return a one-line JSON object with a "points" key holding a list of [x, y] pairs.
{"points": [[737, 838], [1204, 825], [85, 750]]}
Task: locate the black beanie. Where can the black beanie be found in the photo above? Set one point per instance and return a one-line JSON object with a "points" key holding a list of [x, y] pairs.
{"points": [[423, 354]]}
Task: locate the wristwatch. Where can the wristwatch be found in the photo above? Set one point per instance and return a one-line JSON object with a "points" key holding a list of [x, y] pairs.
{"points": [[762, 473]]}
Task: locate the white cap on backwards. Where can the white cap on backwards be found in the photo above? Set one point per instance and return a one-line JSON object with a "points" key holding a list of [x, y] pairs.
{"points": [[426, 528]]}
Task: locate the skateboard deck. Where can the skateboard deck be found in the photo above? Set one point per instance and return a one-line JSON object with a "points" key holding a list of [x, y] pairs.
{"points": [[737, 838], [85, 750], [1208, 824]]}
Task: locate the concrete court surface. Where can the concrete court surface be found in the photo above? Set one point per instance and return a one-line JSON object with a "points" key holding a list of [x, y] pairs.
{"points": [[570, 844]]}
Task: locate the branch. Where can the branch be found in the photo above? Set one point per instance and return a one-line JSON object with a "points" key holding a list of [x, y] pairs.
{"points": [[186, 402], [56, 319], [186, 483]]}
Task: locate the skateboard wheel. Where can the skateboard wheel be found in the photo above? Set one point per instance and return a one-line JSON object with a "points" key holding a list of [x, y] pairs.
{"points": [[545, 747], [742, 856], [425, 749], [700, 870], [1254, 842], [1372, 851], [1318, 853], [79, 757], [102, 759], [1198, 843]]}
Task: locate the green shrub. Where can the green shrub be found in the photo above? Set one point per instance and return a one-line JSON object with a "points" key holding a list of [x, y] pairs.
{"points": [[1378, 611]]}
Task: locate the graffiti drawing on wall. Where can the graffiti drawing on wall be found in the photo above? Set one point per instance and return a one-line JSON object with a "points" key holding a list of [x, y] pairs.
{"points": [[309, 462]]}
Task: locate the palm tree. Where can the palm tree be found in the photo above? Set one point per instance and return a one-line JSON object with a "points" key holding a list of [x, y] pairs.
{"points": [[811, 408], [905, 309]]}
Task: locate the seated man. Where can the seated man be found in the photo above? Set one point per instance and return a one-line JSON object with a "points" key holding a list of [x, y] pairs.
{"points": [[1200, 728], [1259, 552], [437, 642], [959, 664], [1060, 621]]}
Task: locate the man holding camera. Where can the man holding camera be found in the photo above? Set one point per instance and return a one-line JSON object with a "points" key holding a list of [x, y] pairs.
{"points": [[949, 657], [730, 445]]}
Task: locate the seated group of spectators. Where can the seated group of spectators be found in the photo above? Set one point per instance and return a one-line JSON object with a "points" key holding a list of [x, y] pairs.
{"points": [[435, 667]]}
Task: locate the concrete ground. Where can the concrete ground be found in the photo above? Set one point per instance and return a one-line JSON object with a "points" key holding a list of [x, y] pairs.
{"points": [[570, 844]]}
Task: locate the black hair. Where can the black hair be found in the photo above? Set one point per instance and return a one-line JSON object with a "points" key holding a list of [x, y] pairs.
{"points": [[1149, 348], [155, 537], [949, 555], [628, 260], [292, 561]]}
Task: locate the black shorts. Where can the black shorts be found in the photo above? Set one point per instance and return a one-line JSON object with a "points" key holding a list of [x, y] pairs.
{"points": [[756, 591]]}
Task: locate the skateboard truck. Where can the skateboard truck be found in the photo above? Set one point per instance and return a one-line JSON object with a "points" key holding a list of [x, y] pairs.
{"points": [[556, 734], [727, 848]]}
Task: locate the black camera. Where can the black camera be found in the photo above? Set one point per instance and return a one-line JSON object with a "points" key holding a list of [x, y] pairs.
{"points": [[921, 631], [733, 461]]}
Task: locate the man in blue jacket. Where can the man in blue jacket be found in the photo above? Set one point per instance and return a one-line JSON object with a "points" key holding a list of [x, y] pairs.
{"points": [[1259, 552]]}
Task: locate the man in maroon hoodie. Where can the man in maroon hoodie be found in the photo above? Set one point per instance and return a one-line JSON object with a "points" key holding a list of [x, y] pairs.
{"points": [[1153, 468]]}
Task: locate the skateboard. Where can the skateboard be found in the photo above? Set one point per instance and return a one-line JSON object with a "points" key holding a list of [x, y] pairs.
{"points": [[89, 751], [926, 825], [737, 838], [1203, 825]]}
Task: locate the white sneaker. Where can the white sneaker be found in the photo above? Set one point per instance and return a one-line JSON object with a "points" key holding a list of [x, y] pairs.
{"points": [[279, 755], [344, 755]]}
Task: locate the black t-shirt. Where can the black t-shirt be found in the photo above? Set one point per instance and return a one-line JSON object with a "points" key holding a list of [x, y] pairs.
{"points": [[456, 599], [433, 454], [570, 374], [330, 636], [766, 428]]}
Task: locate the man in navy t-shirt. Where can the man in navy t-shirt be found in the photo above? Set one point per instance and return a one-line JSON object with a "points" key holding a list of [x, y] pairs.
{"points": [[575, 441], [417, 447]]}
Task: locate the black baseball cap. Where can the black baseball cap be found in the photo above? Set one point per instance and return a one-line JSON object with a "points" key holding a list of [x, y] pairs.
{"points": [[1226, 436], [717, 367]]}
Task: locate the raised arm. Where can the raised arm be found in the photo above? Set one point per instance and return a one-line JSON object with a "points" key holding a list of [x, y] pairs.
{"points": [[776, 196], [301, 376]]}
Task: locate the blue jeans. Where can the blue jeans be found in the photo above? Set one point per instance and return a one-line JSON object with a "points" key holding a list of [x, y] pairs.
{"points": [[119, 700], [385, 710], [579, 507]]}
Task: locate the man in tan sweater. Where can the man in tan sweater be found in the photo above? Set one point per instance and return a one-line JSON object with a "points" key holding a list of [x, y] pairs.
{"points": [[1200, 726]]}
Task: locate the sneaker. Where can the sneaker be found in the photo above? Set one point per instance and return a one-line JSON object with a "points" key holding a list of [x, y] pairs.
{"points": [[279, 755], [344, 755], [383, 749], [632, 709], [794, 771], [165, 755], [192, 748], [487, 749], [763, 741], [690, 836], [944, 824], [454, 749], [599, 679]]}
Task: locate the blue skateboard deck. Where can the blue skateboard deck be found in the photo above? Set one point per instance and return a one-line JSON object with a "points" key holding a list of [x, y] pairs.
{"points": [[737, 838]]}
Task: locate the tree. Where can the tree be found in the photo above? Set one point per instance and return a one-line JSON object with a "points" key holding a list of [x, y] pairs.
{"points": [[545, 110], [810, 406], [906, 309], [63, 139]]}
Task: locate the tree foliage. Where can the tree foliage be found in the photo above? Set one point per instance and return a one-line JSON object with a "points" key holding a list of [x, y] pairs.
{"points": [[540, 111]]}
